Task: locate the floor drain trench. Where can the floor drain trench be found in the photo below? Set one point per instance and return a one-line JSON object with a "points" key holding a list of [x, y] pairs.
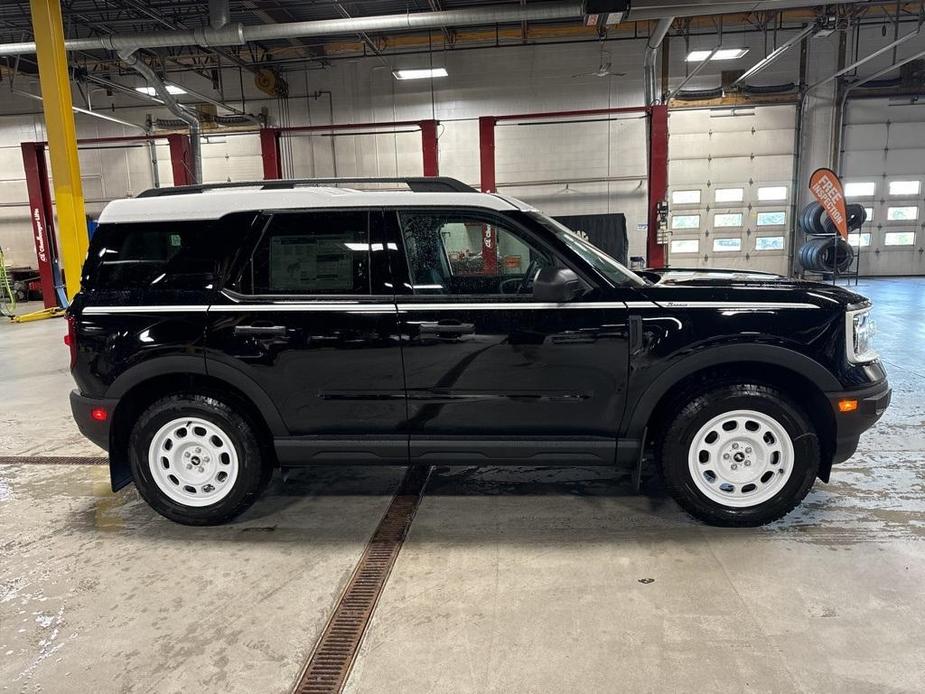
{"points": [[52, 460], [330, 662]]}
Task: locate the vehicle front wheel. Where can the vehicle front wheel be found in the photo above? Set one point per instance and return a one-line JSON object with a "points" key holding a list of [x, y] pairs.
{"points": [[196, 461], [739, 455]]}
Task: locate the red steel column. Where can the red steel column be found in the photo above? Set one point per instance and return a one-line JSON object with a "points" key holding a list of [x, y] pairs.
{"points": [[269, 149], [487, 153], [430, 148], [658, 180], [181, 159], [42, 216]]}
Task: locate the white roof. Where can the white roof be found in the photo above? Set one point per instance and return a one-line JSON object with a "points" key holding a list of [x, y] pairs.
{"points": [[212, 204]]}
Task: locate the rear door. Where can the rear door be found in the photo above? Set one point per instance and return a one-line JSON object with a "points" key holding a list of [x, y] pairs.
{"points": [[492, 374], [308, 317]]}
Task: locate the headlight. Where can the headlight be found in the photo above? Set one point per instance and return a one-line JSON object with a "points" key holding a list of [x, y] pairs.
{"points": [[860, 329]]}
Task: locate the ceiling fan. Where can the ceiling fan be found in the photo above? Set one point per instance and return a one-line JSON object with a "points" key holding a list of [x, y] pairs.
{"points": [[603, 69]]}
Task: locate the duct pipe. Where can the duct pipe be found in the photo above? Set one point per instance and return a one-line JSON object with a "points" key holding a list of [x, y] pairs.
{"points": [[219, 13], [129, 57], [652, 45], [235, 34]]}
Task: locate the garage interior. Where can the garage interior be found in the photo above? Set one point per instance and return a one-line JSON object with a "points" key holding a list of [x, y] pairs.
{"points": [[698, 124]]}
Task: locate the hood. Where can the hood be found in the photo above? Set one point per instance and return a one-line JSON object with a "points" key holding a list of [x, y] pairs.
{"points": [[724, 284]]}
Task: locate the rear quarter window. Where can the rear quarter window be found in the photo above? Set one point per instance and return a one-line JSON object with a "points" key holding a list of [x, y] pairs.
{"points": [[184, 255]]}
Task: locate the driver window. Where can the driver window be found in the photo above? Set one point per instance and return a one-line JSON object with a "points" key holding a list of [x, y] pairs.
{"points": [[458, 254]]}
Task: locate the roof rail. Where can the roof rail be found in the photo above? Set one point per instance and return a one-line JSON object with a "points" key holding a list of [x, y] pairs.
{"points": [[418, 184]]}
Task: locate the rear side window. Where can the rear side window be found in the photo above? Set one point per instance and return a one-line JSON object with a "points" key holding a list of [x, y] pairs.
{"points": [[310, 253], [169, 254]]}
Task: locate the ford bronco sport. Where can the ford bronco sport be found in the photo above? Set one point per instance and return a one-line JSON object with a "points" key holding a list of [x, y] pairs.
{"points": [[225, 330]]}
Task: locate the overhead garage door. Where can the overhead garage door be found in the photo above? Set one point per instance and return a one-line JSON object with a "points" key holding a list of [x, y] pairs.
{"points": [[730, 186], [883, 167]]}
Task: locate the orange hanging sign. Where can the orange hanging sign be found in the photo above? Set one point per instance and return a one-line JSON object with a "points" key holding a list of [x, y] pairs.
{"points": [[827, 187]]}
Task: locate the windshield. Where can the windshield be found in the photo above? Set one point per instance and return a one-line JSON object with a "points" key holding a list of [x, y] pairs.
{"points": [[590, 253]]}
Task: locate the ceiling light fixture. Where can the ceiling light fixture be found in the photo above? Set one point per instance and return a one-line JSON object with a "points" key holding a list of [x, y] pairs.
{"points": [[721, 54], [150, 91], [420, 74]]}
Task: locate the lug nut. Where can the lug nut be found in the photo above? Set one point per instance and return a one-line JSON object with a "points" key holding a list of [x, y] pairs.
{"points": [[725, 456], [748, 463], [735, 467], [748, 449], [189, 467]]}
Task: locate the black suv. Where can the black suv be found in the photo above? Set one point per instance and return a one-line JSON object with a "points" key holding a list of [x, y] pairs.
{"points": [[222, 331]]}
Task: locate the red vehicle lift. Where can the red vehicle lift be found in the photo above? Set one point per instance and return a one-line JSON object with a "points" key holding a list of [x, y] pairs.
{"points": [[41, 209], [657, 160], [270, 141]]}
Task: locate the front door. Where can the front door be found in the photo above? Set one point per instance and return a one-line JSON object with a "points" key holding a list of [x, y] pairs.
{"points": [[309, 317], [492, 374]]}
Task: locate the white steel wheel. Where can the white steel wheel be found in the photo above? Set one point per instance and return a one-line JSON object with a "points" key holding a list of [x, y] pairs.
{"points": [[741, 458], [193, 462]]}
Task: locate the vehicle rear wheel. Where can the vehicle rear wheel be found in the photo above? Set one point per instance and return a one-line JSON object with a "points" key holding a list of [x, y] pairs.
{"points": [[196, 461], [739, 455]]}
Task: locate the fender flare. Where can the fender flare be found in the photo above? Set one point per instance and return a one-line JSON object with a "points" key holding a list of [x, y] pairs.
{"points": [[771, 355], [193, 364]]}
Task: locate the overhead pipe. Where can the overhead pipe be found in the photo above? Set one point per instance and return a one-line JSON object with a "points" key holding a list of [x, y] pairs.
{"points": [[867, 58], [774, 55], [130, 58], [219, 13], [652, 45], [236, 34]]}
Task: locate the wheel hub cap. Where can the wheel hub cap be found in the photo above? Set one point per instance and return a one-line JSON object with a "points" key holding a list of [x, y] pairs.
{"points": [[741, 458], [193, 461]]}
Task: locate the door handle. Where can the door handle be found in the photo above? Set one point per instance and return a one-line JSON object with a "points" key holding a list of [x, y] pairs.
{"points": [[261, 330], [446, 328]]}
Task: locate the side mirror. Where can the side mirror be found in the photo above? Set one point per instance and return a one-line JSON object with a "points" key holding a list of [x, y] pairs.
{"points": [[557, 285]]}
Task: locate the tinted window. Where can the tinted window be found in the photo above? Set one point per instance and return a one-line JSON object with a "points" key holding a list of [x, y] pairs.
{"points": [[163, 254], [310, 253], [461, 254]]}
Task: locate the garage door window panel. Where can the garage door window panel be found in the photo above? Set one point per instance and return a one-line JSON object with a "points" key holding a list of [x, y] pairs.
{"points": [[902, 214], [729, 195], [861, 240], [727, 245], [905, 188], [860, 189], [733, 219], [769, 243], [685, 245], [685, 221], [767, 219], [899, 238], [685, 197]]}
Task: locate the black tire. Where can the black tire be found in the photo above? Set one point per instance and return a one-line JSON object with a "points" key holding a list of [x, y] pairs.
{"points": [[695, 410], [254, 468]]}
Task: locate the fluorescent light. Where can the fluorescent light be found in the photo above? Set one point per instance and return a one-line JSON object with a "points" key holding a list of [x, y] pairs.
{"points": [[721, 54], [150, 91], [420, 74]]}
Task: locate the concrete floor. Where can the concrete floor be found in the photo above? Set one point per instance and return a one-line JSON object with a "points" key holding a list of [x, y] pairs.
{"points": [[512, 580]]}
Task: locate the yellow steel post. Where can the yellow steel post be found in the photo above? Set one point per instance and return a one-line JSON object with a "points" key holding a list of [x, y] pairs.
{"points": [[62, 139]]}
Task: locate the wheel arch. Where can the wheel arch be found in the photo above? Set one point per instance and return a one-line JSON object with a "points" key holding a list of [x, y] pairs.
{"points": [[140, 387], [795, 373]]}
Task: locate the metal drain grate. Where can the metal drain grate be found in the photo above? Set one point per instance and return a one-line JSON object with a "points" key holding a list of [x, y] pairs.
{"points": [[332, 659], [52, 460]]}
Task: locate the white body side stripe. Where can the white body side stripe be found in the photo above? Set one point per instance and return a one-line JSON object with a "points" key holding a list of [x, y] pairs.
{"points": [[359, 307]]}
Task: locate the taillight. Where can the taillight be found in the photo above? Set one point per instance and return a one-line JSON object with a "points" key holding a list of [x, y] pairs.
{"points": [[71, 339]]}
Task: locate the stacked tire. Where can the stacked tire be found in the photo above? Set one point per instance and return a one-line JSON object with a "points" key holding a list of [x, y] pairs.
{"points": [[825, 251]]}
